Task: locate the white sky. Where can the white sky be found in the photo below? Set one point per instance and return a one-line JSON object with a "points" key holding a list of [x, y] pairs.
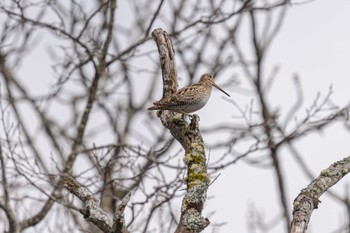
{"points": [[313, 43]]}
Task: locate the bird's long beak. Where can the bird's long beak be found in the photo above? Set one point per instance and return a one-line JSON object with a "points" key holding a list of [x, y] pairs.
{"points": [[220, 89]]}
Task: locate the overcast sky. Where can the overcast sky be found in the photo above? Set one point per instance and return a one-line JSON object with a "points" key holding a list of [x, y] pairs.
{"points": [[314, 44]]}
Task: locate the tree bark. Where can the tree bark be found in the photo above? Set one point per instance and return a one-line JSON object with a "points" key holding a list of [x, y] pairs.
{"points": [[189, 136], [308, 199]]}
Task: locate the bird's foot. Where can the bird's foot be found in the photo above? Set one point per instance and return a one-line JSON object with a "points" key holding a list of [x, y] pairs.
{"points": [[192, 117], [194, 122]]}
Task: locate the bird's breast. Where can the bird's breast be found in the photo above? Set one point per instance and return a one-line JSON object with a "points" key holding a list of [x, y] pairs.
{"points": [[197, 104]]}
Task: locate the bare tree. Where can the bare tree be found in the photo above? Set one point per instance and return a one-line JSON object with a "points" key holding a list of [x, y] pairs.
{"points": [[79, 152]]}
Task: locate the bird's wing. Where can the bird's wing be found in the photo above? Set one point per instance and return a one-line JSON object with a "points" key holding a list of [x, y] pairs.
{"points": [[182, 96]]}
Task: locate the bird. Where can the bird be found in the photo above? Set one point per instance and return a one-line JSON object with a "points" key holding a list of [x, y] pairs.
{"points": [[189, 98]]}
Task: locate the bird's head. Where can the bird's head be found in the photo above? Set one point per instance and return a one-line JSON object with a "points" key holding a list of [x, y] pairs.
{"points": [[208, 79]]}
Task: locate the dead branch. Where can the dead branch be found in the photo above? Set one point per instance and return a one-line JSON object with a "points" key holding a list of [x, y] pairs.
{"points": [[308, 199], [191, 140]]}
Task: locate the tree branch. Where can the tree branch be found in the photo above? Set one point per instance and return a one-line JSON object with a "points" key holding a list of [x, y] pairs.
{"points": [[93, 212], [308, 199], [191, 140]]}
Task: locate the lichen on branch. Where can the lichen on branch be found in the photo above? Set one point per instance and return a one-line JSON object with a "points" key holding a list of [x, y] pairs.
{"points": [[189, 136]]}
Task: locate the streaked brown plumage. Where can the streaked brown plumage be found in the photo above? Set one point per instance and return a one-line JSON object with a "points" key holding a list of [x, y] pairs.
{"points": [[190, 98]]}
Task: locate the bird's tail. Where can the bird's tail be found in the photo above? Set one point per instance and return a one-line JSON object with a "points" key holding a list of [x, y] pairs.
{"points": [[154, 107]]}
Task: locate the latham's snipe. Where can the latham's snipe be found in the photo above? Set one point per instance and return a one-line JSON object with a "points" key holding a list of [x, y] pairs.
{"points": [[190, 98]]}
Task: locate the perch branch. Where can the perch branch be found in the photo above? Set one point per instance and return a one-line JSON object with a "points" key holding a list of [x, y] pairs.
{"points": [[189, 136]]}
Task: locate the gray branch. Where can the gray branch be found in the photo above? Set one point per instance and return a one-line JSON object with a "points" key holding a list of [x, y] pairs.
{"points": [[308, 199], [198, 180], [92, 211]]}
